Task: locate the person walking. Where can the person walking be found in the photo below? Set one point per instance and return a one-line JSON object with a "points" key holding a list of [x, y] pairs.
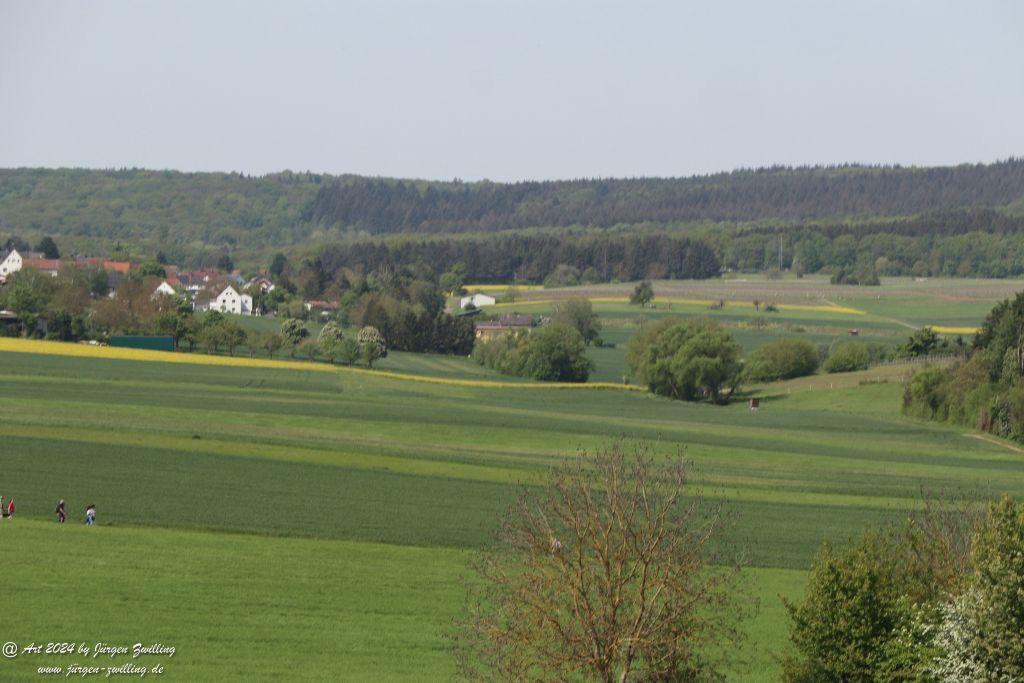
{"points": [[10, 508], [61, 516], [90, 515]]}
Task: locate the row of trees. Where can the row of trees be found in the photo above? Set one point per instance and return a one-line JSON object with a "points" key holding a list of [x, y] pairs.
{"points": [[987, 390], [516, 258], [697, 360], [954, 244]]}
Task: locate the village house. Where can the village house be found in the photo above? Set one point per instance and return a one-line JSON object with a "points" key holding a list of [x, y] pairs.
{"points": [[478, 301], [228, 301], [324, 308], [11, 263], [264, 285], [47, 266], [505, 324], [165, 288]]}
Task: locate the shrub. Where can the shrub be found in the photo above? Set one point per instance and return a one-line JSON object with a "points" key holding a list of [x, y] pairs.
{"points": [[563, 276], [784, 359], [856, 602], [847, 357], [554, 352]]}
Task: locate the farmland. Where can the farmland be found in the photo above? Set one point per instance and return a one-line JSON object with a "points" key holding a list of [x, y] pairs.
{"points": [[253, 509], [808, 308]]}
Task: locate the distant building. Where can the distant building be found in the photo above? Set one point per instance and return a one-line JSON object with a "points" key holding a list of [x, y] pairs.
{"points": [[489, 329], [229, 301], [265, 285], [165, 288], [44, 265], [325, 308], [11, 263], [478, 301]]}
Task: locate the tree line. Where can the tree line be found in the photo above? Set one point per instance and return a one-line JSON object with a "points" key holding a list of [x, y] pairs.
{"points": [[986, 391], [519, 258]]}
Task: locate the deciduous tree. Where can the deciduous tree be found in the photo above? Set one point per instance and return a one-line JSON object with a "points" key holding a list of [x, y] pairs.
{"points": [[604, 573]]}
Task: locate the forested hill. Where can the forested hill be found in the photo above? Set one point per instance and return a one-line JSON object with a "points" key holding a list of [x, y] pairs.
{"points": [[191, 214], [773, 193]]}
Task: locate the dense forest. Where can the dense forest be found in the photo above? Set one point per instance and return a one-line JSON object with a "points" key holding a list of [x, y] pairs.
{"points": [[962, 220], [772, 193]]}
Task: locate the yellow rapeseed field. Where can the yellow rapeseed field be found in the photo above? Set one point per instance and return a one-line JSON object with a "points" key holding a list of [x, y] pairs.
{"points": [[118, 353], [472, 289], [825, 308], [948, 329]]}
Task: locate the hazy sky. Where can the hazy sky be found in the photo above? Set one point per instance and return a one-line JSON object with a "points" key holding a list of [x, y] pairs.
{"points": [[508, 90]]}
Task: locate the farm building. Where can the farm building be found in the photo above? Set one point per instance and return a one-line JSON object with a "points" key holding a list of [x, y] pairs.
{"points": [[478, 301], [488, 329]]}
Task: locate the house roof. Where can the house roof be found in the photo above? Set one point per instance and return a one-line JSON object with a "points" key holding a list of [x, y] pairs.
{"points": [[117, 266], [42, 263], [513, 320], [322, 304]]}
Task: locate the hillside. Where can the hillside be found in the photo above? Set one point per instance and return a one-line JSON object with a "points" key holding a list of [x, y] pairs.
{"points": [[195, 216]]}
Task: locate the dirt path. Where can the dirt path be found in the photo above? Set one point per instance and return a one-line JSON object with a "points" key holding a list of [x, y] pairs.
{"points": [[994, 440]]}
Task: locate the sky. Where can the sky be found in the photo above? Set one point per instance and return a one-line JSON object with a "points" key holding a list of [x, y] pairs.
{"points": [[508, 90]]}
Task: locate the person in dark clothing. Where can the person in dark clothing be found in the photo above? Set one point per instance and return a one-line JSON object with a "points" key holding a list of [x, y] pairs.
{"points": [[61, 516]]}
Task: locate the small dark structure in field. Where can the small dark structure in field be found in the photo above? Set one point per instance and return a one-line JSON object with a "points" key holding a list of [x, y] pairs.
{"points": [[755, 404]]}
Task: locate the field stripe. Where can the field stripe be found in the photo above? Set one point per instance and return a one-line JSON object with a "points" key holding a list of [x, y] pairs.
{"points": [[821, 308], [55, 348]]}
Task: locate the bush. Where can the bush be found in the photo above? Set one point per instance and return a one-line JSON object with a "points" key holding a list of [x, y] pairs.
{"points": [[554, 352], [563, 276], [688, 360], [784, 359], [923, 342], [856, 602], [876, 610], [996, 611], [924, 394], [847, 357]]}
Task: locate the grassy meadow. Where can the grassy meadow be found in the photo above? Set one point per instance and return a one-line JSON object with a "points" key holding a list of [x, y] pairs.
{"points": [[296, 521]]}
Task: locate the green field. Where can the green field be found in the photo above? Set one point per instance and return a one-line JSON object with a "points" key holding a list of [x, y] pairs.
{"points": [[289, 524], [279, 509]]}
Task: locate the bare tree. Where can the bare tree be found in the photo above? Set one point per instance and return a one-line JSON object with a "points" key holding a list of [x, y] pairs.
{"points": [[605, 573]]}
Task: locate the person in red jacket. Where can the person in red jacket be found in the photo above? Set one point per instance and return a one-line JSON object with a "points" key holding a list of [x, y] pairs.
{"points": [[10, 509]]}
